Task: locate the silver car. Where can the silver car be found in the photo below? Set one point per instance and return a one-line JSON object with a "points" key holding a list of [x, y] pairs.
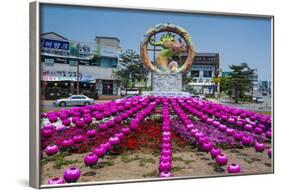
{"points": [[74, 100]]}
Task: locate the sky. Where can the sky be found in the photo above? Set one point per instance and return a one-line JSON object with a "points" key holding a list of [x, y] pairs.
{"points": [[236, 39]]}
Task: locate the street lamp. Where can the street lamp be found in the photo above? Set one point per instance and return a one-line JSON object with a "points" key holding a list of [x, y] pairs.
{"points": [[77, 67]]}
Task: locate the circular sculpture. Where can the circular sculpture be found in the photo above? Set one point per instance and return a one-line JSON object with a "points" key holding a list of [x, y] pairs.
{"points": [[170, 48]]}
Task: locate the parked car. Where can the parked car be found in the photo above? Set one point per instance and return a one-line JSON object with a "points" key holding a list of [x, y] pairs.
{"points": [[199, 96], [74, 100], [264, 93], [259, 100], [130, 91]]}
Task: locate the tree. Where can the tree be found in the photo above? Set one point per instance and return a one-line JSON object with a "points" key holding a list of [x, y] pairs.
{"points": [[131, 69], [238, 82]]}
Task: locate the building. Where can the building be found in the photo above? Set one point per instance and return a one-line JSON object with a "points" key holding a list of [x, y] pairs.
{"points": [[254, 81], [204, 69], [59, 59]]}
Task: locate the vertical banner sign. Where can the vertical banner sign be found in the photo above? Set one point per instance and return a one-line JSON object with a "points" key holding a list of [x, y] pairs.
{"points": [[73, 49]]}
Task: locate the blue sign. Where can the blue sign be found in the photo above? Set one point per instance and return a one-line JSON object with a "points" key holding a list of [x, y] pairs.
{"points": [[54, 44]]}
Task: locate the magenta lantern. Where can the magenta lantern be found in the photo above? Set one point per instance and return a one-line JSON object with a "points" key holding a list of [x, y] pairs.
{"points": [[165, 166], [233, 168], [189, 127], [224, 117], [258, 130], [248, 127], [221, 159], [78, 138], [207, 146], [119, 135], [230, 131], [67, 143], [79, 123], [269, 152], [166, 128], [56, 180], [238, 136], [222, 127], [66, 122], [47, 131], [165, 157], [166, 151], [209, 121], [107, 146], [103, 127], [125, 130], [88, 120], [60, 128], [117, 119], [51, 149], [231, 120], [246, 140], [193, 131], [166, 133], [239, 124], [71, 174], [268, 134], [216, 123], [166, 139], [197, 135], [166, 145], [98, 116], [134, 125], [215, 151], [114, 140], [202, 140], [91, 159], [165, 174], [259, 147], [91, 133], [110, 123], [99, 151], [52, 118]]}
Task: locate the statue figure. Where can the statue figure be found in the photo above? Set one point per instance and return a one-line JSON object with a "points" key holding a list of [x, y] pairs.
{"points": [[170, 49]]}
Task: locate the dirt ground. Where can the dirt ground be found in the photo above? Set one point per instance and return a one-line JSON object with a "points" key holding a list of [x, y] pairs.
{"points": [[140, 164]]}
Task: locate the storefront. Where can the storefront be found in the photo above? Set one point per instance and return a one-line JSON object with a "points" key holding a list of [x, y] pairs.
{"points": [[59, 59]]}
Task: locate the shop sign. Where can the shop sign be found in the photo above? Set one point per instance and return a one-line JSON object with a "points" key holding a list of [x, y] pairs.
{"points": [[61, 60], [72, 62], [49, 62], [55, 44], [50, 75]]}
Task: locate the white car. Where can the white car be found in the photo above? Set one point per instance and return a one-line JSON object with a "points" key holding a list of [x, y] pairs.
{"points": [[74, 100], [259, 100], [130, 91]]}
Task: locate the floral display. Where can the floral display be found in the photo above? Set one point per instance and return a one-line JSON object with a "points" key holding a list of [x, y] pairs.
{"points": [[101, 130]]}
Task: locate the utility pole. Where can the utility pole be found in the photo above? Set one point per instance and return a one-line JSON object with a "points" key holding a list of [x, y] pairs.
{"points": [[77, 71]]}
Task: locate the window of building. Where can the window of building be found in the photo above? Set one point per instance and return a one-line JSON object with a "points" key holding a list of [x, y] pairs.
{"points": [[108, 62], [194, 73], [207, 74]]}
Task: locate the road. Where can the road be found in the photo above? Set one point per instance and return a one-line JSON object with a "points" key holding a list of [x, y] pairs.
{"points": [[47, 105], [257, 107]]}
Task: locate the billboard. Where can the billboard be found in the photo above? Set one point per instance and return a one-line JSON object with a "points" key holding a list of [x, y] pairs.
{"points": [[85, 49], [106, 51], [55, 45]]}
